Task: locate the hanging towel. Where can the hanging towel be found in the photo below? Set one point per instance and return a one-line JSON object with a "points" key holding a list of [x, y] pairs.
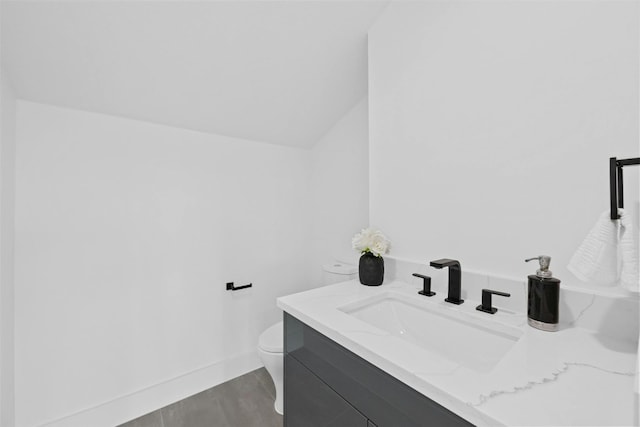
{"points": [[629, 278], [637, 378], [596, 260]]}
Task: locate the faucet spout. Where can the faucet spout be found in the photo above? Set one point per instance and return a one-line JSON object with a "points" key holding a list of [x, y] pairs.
{"points": [[455, 278]]}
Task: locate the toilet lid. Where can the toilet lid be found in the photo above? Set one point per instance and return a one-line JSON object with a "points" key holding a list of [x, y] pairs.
{"points": [[340, 268], [272, 339]]}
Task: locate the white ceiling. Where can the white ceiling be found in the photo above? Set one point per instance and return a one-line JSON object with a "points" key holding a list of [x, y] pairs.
{"points": [[276, 71]]}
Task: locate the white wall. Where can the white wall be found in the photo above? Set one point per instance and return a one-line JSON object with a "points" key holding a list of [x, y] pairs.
{"points": [[491, 125], [7, 205], [126, 233], [339, 189]]}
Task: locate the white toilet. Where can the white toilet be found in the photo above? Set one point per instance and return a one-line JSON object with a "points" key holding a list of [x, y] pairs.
{"points": [[270, 349], [271, 341], [337, 272]]}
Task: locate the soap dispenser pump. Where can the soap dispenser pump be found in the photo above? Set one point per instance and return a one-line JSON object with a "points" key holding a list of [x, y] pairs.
{"points": [[544, 297]]}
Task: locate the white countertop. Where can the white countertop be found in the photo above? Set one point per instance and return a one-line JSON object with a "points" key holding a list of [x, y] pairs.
{"points": [[572, 377]]}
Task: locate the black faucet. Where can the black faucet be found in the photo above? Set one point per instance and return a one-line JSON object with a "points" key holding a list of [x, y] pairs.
{"points": [[455, 278]]}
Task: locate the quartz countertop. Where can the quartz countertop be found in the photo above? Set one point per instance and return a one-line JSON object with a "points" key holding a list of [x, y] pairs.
{"points": [[577, 376]]}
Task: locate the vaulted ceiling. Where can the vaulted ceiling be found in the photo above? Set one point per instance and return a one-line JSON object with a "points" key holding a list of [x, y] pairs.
{"points": [[281, 72]]}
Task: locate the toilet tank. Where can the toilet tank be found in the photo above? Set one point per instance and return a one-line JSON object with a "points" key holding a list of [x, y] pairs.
{"points": [[336, 272]]}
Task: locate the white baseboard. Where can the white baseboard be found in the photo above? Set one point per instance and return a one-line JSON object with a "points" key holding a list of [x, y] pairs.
{"points": [[134, 405]]}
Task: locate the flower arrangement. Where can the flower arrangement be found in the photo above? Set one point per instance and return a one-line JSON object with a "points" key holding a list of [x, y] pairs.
{"points": [[371, 241]]}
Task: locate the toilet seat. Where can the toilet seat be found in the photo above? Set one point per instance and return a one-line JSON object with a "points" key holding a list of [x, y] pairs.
{"points": [[272, 339]]}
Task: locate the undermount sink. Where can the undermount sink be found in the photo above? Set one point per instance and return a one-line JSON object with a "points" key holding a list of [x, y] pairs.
{"points": [[458, 337]]}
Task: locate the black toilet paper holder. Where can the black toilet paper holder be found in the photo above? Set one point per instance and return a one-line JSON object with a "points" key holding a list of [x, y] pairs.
{"points": [[231, 287]]}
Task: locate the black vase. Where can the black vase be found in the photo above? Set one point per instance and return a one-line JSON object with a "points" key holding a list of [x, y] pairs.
{"points": [[371, 269]]}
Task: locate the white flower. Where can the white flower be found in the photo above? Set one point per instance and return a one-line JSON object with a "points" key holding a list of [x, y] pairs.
{"points": [[379, 248], [369, 240]]}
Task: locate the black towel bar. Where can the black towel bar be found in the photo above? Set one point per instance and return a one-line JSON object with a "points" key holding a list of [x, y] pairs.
{"points": [[615, 182]]}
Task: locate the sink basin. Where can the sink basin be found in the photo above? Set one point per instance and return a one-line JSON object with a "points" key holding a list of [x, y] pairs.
{"points": [[457, 336]]}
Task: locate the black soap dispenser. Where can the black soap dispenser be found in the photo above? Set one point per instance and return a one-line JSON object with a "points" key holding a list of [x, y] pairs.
{"points": [[544, 297]]}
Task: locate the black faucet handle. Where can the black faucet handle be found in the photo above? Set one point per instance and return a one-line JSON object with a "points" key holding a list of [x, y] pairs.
{"points": [[426, 285], [486, 300]]}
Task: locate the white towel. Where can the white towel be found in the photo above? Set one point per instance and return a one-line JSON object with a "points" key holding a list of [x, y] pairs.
{"points": [[637, 378], [596, 259], [608, 255], [629, 278]]}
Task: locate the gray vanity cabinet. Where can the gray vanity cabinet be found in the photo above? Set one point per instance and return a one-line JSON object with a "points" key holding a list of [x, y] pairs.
{"points": [[312, 403], [326, 385]]}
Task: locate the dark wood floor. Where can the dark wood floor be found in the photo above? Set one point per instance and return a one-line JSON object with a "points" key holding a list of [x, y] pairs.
{"points": [[246, 401]]}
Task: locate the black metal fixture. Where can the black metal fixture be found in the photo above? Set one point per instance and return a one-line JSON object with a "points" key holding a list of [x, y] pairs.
{"points": [[231, 287], [426, 285], [615, 182], [455, 278], [486, 300]]}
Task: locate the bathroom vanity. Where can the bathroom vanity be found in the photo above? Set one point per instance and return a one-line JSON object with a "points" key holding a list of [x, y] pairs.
{"points": [[386, 356], [327, 385]]}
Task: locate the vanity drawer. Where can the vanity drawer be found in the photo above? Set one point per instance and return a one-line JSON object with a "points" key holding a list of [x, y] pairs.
{"points": [[312, 403], [383, 399]]}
